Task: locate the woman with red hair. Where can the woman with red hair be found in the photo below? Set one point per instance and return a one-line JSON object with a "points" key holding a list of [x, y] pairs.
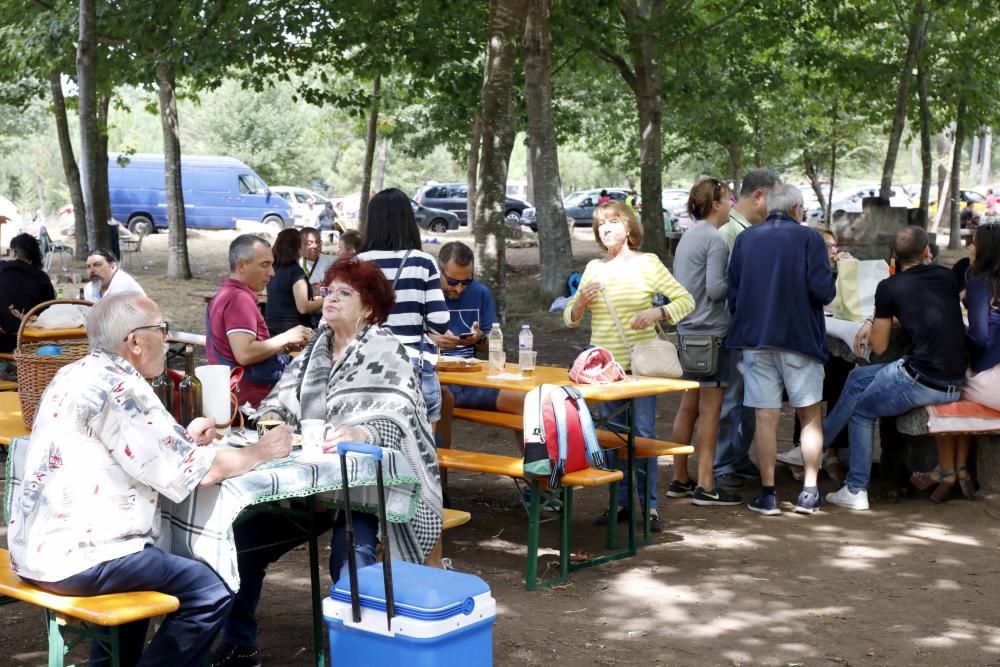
{"points": [[356, 376]]}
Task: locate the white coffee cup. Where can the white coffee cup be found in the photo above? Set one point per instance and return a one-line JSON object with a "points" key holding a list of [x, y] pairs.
{"points": [[313, 437]]}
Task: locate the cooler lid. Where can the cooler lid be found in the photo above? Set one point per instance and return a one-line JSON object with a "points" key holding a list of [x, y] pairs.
{"points": [[421, 592]]}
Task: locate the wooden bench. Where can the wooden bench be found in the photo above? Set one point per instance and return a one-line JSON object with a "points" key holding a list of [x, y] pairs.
{"points": [[513, 467], [644, 447], [455, 518], [66, 613]]}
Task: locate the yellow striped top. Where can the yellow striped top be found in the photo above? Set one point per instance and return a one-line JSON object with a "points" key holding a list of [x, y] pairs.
{"points": [[630, 287]]}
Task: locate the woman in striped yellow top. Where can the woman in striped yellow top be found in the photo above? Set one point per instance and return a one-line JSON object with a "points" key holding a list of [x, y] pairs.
{"points": [[629, 279]]}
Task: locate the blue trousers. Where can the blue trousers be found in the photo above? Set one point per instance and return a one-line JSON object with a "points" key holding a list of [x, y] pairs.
{"points": [[644, 421], [879, 390], [266, 537], [186, 635], [737, 424]]}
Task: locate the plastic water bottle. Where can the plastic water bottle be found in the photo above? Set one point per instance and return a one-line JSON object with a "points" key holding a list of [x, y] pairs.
{"points": [[525, 340], [497, 357]]}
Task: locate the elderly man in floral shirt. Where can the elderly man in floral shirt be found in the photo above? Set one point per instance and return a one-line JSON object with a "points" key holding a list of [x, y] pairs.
{"points": [[102, 450]]}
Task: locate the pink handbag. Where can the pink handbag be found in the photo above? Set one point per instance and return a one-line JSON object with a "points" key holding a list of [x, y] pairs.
{"points": [[596, 365]]}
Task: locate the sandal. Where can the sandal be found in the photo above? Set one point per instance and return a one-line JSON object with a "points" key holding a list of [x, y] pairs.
{"points": [[966, 484], [925, 480]]}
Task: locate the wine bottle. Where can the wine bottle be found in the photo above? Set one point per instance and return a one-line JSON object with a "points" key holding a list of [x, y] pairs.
{"points": [[190, 390], [163, 387]]}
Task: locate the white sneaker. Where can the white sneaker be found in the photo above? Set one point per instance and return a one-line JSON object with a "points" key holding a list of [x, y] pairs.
{"points": [[793, 457], [857, 500]]}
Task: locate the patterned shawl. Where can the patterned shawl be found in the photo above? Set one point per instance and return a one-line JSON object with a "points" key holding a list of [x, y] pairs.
{"points": [[372, 381]]}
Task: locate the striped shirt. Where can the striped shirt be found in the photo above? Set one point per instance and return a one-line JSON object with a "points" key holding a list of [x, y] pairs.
{"points": [[420, 305], [630, 287]]}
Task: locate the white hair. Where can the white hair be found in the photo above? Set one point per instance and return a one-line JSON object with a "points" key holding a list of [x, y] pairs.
{"points": [[783, 198], [112, 319]]}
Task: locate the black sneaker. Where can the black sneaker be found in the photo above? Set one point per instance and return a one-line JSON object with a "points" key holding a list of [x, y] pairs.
{"points": [[729, 481], [230, 655], [678, 489], [808, 502], [603, 519], [717, 497], [750, 471], [654, 522]]}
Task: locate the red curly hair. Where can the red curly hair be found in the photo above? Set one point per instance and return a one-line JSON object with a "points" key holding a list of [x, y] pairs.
{"points": [[375, 291]]}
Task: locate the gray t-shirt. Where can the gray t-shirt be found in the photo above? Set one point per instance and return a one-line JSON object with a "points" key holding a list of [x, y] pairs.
{"points": [[700, 266]]}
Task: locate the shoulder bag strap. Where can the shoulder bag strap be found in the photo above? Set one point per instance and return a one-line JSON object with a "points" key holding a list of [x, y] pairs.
{"points": [[614, 316], [423, 307]]}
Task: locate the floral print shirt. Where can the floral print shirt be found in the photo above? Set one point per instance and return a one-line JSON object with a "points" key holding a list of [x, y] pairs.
{"points": [[102, 450]]}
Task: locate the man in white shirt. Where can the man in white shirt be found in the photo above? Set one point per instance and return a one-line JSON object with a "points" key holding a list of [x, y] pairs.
{"points": [[313, 262], [106, 277], [102, 450]]}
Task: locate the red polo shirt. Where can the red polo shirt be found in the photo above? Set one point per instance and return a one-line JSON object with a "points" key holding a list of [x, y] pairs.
{"points": [[234, 310]]}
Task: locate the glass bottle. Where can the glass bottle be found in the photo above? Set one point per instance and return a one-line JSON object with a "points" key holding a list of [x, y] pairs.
{"points": [[189, 390], [163, 387]]}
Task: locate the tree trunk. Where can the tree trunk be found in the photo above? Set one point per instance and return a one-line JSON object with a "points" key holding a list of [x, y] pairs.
{"points": [[70, 168], [472, 169], [86, 74], [926, 158], [102, 192], [812, 173], [987, 172], [383, 158], [955, 238], [507, 19], [974, 164], [178, 265], [944, 147], [914, 44], [529, 176], [648, 95], [555, 248], [735, 163], [370, 136]]}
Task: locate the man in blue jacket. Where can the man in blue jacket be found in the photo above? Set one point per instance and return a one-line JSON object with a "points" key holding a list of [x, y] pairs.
{"points": [[779, 281]]}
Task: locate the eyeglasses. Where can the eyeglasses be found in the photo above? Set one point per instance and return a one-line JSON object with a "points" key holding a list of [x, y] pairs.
{"points": [[341, 293], [163, 326], [832, 245], [454, 282]]}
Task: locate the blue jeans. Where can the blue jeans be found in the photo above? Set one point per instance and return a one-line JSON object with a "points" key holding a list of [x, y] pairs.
{"points": [[737, 424], [644, 421], [281, 534], [879, 390], [186, 635], [430, 387]]}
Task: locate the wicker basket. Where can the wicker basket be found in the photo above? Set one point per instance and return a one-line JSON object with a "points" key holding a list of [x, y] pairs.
{"points": [[35, 371]]}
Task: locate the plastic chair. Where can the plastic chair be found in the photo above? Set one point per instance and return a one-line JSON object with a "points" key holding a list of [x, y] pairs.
{"points": [[50, 248], [132, 245]]}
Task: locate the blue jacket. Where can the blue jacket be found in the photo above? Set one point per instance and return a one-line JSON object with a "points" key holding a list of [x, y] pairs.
{"points": [[779, 280]]}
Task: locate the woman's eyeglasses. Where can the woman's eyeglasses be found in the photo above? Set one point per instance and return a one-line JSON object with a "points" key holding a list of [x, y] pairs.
{"points": [[454, 282], [341, 293], [163, 326]]}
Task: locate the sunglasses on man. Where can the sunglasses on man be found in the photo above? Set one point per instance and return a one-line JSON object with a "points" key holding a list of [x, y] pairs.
{"points": [[453, 282]]}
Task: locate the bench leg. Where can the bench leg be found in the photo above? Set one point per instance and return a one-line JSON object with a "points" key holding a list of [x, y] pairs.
{"points": [[57, 647], [534, 510], [317, 598]]}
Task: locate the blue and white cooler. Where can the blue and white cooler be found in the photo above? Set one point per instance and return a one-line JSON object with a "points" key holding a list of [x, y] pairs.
{"points": [[442, 617]]}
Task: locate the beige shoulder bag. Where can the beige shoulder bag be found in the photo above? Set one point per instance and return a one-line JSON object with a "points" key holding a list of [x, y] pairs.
{"points": [[650, 358]]}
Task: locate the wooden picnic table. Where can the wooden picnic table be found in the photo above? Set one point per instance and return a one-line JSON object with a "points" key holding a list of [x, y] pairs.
{"points": [[625, 391], [11, 424]]}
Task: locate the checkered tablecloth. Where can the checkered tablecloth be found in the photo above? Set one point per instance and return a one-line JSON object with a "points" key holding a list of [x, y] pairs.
{"points": [[201, 527]]}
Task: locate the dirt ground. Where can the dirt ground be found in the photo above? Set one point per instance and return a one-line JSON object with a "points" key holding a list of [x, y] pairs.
{"points": [[906, 583]]}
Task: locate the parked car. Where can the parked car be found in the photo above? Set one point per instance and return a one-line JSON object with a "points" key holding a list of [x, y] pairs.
{"points": [[13, 226], [977, 199], [434, 220], [306, 204], [579, 207], [849, 201], [218, 191], [454, 197]]}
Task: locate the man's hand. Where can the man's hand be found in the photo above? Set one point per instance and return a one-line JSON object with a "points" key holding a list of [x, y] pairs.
{"points": [[861, 339], [644, 318], [202, 430], [276, 443], [297, 337], [343, 434], [446, 341]]}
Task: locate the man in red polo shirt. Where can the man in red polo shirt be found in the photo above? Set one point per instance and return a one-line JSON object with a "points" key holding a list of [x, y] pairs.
{"points": [[237, 334]]}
